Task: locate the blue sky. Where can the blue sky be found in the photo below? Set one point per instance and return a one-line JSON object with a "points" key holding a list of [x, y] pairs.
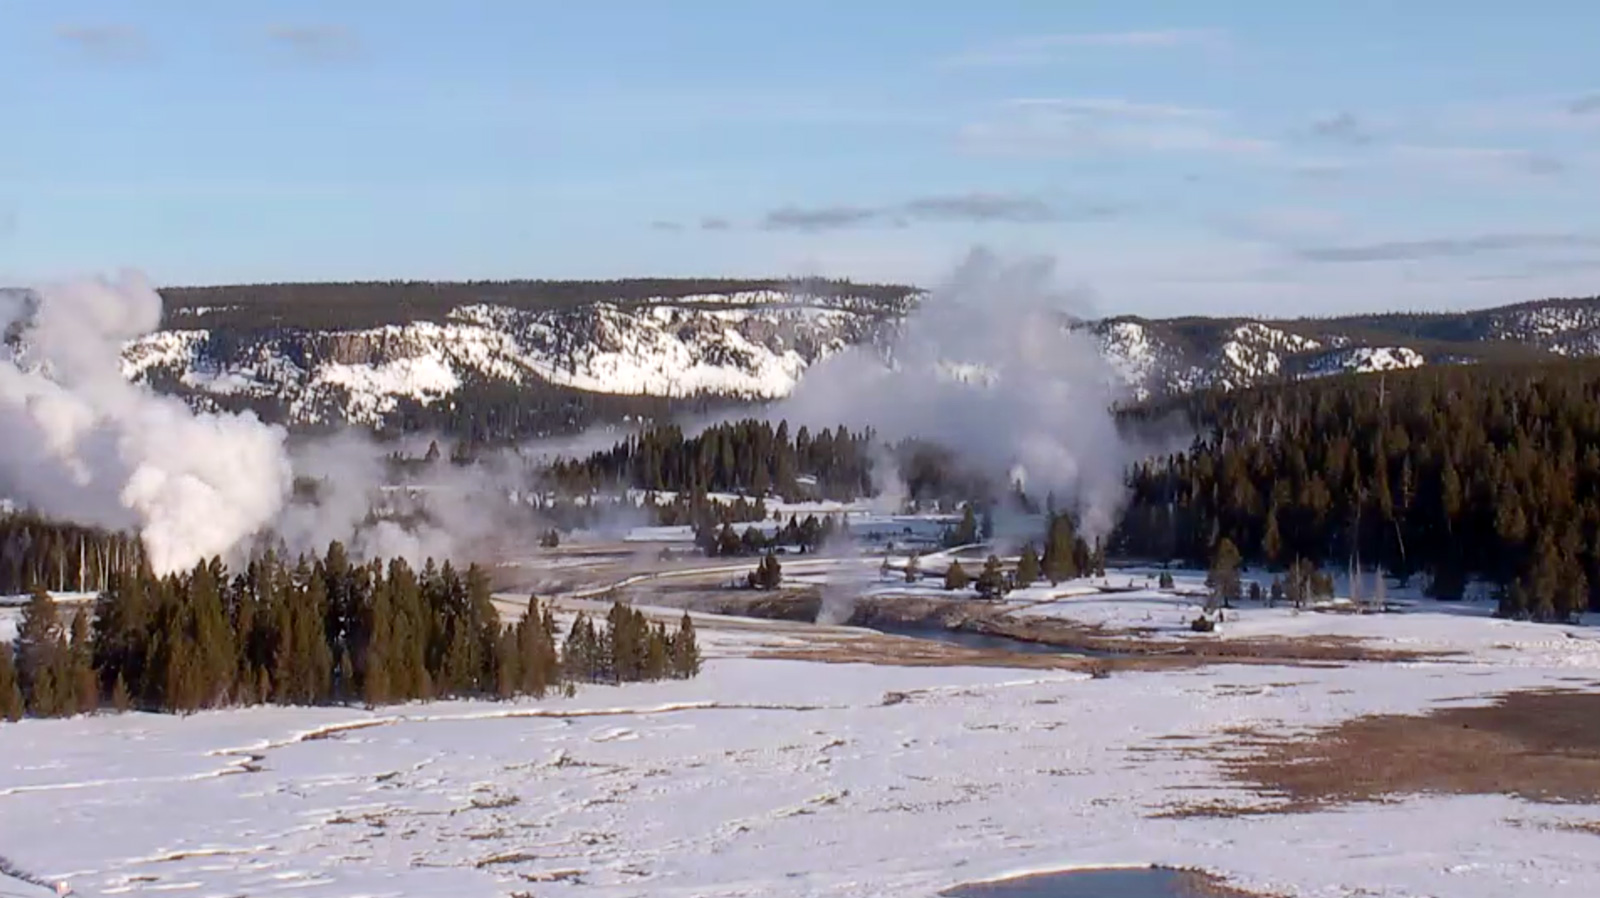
{"points": [[1174, 157]]}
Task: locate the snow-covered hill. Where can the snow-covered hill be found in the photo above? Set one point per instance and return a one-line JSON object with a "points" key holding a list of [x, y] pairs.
{"points": [[743, 345], [751, 345]]}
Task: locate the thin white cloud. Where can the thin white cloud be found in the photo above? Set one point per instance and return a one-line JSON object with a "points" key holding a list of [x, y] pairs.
{"points": [[1047, 48], [106, 43], [969, 208], [1479, 161], [1447, 247], [1085, 126], [1342, 127], [1570, 113], [315, 43], [1110, 107]]}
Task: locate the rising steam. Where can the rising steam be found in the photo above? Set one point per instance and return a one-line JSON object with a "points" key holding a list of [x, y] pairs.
{"points": [[987, 367], [78, 441]]}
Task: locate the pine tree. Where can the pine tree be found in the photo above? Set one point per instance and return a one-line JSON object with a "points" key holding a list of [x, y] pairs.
{"points": [[685, 650], [1061, 551], [120, 699], [954, 577], [966, 533], [508, 665], [1028, 567], [991, 580], [42, 657], [1271, 540], [1224, 574], [11, 703], [85, 684]]}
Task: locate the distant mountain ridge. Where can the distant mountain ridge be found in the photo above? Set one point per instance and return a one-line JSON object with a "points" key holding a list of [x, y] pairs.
{"points": [[1163, 356], [410, 355]]}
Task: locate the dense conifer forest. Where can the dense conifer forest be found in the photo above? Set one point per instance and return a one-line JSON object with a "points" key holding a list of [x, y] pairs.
{"points": [[363, 304], [315, 631], [1453, 472]]}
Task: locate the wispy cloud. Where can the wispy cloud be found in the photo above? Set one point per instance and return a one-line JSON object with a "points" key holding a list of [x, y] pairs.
{"points": [[1343, 128], [1047, 48], [315, 43], [1542, 269], [1068, 126], [713, 223], [1558, 113], [661, 225], [1479, 161], [818, 218], [1448, 247], [981, 207], [975, 208], [106, 43]]}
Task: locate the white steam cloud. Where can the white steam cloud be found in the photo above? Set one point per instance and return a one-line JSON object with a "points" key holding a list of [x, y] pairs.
{"points": [[78, 441], [988, 367]]}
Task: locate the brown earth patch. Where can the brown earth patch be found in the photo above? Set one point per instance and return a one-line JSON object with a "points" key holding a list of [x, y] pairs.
{"points": [[1183, 884], [1132, 650], [1305, 649], [902, 651], [1200, 884], [1541, 746]]}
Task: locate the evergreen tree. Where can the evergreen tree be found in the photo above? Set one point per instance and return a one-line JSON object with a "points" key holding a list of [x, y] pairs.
{"points": [[85, 684], [1271, 540], [11, 701], [1028, 567], [954, 577], [1224, 574], [991, 580], [1060, 560], [685, 650], [966, 532], [42, 659]]}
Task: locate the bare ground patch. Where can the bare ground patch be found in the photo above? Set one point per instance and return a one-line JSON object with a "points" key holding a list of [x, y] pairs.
{"points": [[1261, 650], [901, 651], [1541, 746]]}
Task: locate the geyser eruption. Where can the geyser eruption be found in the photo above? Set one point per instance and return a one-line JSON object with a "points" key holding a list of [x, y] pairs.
{"points": [[988, 367], [82, 443]]}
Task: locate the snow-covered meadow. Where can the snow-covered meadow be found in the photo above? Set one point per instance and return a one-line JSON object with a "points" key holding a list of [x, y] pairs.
{"points": [[777, 777]]}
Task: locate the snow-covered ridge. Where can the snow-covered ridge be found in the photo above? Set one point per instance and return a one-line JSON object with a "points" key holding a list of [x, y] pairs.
{"points": [[1365, 359], [757, 344], [754, 345]]}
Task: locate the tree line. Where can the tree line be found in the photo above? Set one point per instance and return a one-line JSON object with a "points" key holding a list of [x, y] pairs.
{"points": [[750, 456], [365, 304], [317, 631], [1452, 472]]}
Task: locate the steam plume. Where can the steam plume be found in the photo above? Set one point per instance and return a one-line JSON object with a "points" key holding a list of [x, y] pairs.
{"points": [[82, 443], [987, 367]]}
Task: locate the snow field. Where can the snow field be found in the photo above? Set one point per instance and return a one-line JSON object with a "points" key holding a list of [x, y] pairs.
{"points": [[761, 777]]}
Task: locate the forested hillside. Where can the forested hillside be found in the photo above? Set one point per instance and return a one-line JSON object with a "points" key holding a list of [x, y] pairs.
{"points": [[316, 631], [370, 304], [1456, 472]]}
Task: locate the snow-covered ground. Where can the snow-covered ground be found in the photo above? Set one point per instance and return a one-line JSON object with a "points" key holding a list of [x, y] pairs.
{"points": [[769, 777], [11, 613]]}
